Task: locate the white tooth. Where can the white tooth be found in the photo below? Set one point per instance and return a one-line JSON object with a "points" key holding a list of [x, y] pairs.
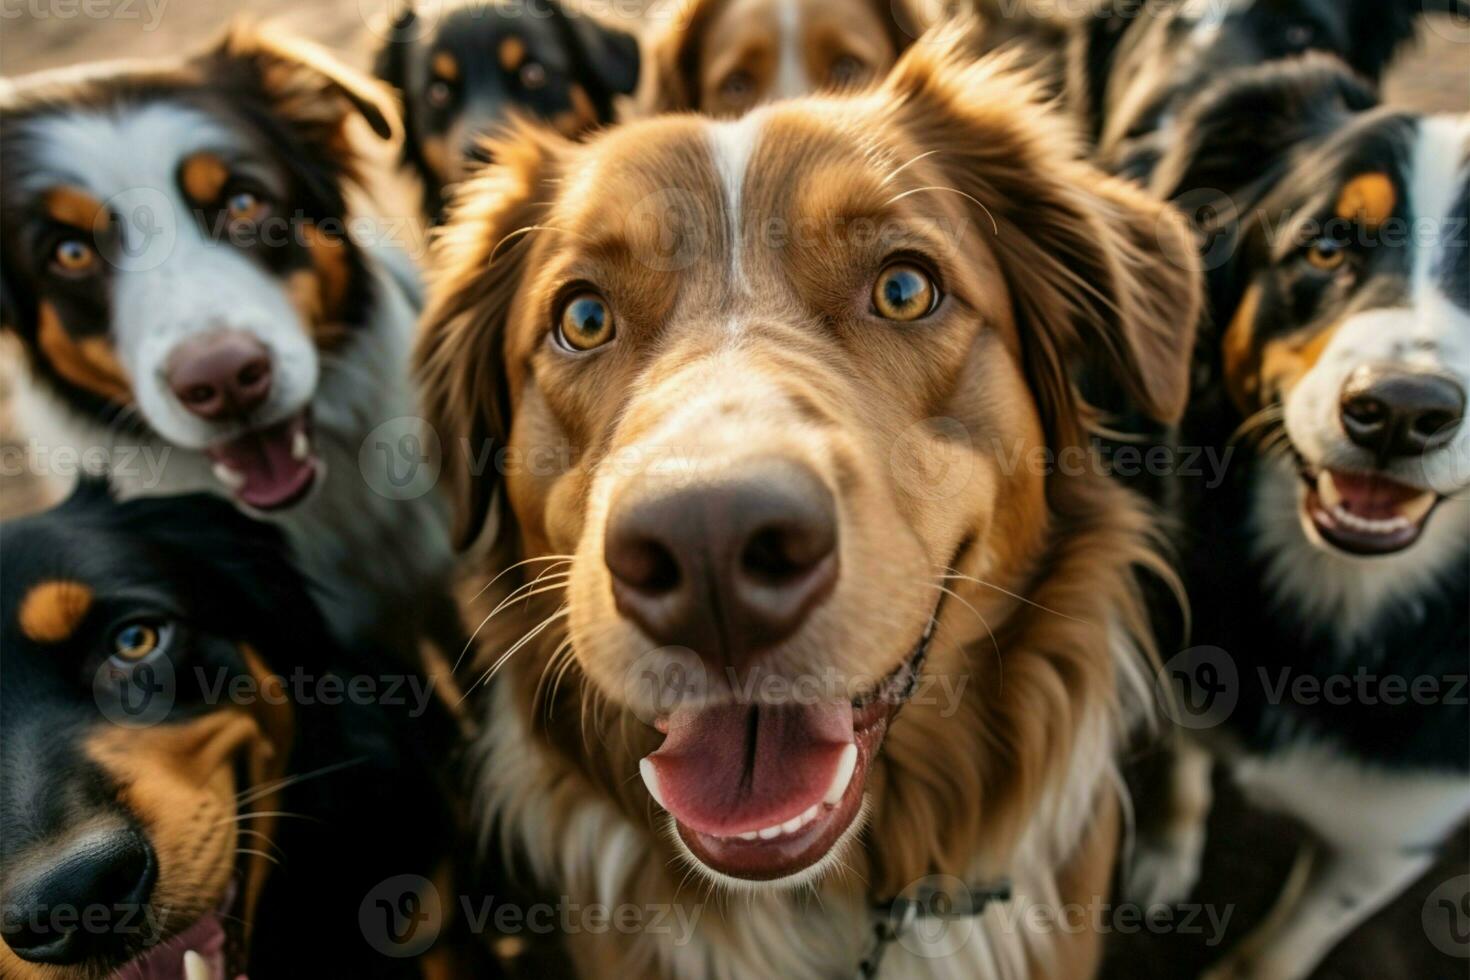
{"points": [[749, 835], [232, 479], [770, 833], [194, 967], [300, 446], [842, 776], [1327, 490], [791, 826], [810, 814], [650, 779]]}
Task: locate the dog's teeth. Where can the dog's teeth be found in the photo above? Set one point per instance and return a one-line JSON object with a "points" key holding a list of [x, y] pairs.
{"points": [[749, 835], [300, 446], [194, 967], [842, 776], [1415, 510], [769, 833], [232, 479], [1327, 491], [650, 779], [791, 826]]}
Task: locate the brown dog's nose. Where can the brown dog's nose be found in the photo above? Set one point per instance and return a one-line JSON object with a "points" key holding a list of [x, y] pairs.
{"points": [[220, 375], [726, 568], [1392, 411]]}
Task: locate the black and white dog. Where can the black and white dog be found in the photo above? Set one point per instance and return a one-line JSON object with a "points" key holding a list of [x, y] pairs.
{"points": [[463, 71], [186, 276], [1134, 63], [1332, 567]]}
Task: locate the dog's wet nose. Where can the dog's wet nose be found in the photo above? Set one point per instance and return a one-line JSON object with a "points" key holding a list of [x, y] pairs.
{"points": [[1393, 411], [727, 568], [224, 375], [73, 907]]}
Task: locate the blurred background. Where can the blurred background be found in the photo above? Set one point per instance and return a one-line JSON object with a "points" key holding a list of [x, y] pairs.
{"points": [[1255, 850]]}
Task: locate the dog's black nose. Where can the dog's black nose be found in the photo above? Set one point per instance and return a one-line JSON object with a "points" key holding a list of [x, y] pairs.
{"points": [[726, 568], [84, 902], [224, 375], [1394, 411]]}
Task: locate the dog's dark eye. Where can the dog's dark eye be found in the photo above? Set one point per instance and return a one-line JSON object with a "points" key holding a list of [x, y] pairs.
{"points": [[846, 70], [533, 75], [439, 93], [737, 86], [137, 640], [1327, 254], [74, 258], [586, 322], [904, 292], [243, 205]]}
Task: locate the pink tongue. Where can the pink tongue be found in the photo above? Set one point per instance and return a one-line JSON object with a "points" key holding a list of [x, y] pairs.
{"points": [[205, 937], [740, 767], [1372, 497], [272, 476]]}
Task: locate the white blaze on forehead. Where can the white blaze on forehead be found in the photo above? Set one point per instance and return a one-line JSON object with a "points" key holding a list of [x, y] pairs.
{"points": [[1440, 168], [731, 146], [791, 76]]}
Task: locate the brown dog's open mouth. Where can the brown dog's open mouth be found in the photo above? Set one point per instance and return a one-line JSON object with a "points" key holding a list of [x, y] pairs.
{"points": [[1365, 513], [761, 792], [212, 948], [270, 468]]}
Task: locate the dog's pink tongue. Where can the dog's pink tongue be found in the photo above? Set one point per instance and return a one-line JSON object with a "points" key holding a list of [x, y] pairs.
{"points": [[265, 468], [205, 937], [735, 768]]}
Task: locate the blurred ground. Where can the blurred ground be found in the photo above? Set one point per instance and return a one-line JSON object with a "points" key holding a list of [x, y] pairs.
{"points": [[1253, 851]]}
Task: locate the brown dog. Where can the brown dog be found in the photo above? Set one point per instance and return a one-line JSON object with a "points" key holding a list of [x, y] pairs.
{"points": [[771, 405]]}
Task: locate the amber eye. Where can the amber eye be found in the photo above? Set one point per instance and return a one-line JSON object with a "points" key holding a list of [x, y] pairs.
{"points": [[904, 292], [586, 322], [533, 75], [846, 70], [135, 641], [244, 206], [1327, 254], [439, 93], [74, 257]]}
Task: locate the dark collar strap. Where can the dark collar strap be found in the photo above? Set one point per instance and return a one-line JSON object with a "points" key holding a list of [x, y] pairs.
{"points": [[895, 917]]}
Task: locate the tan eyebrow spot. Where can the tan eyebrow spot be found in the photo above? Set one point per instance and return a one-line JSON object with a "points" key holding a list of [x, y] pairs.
{"points": [[1368, 199], [512, 53], [445, 66], [73, 206], [88, 363], [203, 176], [52, 611]]}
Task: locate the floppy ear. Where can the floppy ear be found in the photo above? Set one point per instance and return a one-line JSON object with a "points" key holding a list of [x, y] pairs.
{"points": [[480, 256], [301, 83], [610, 55], [1098, 270], [1237, 135], [675, 51]]}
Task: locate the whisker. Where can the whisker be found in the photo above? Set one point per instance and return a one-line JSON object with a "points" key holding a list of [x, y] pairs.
{"points": [[250, 794], [954, 574], [530, 635], [952, 190]]}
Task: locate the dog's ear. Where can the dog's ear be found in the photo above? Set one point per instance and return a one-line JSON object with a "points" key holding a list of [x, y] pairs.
{"points": [[300, 83], [1378, 29], [480, 258], [1092, 46], [674, 53], [398, 33], [610, 55], [1240, 131], [1096, 267]]}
